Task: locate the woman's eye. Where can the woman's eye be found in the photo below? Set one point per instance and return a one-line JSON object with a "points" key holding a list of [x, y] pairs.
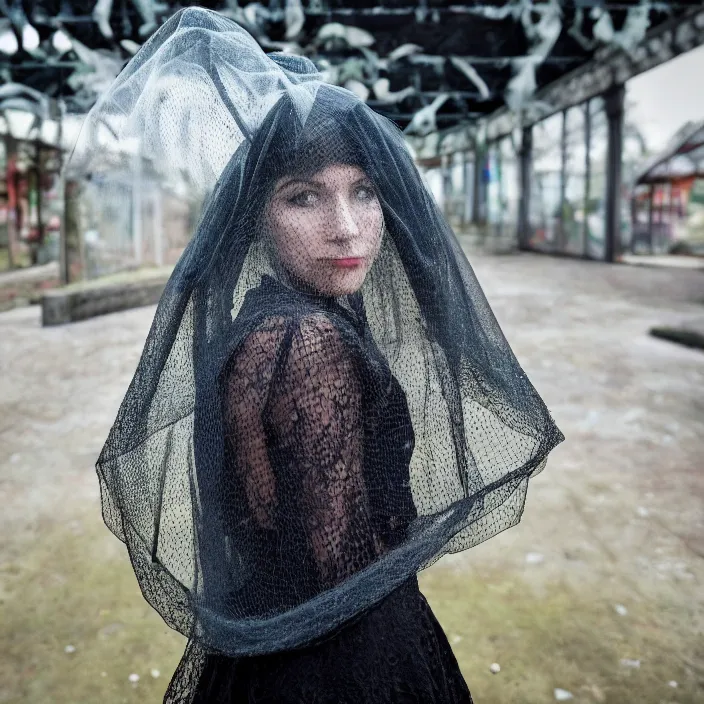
{"points": [[365, 193], [305, 199]]}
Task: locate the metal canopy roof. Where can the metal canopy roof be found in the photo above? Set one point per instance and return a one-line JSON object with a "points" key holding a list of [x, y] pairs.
{"points": [[682, 158], [426, 64]]}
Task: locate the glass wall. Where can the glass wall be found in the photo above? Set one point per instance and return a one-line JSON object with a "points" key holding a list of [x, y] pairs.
{"points": [[131, 217], [432, 175], [544, 220], [450, 180], [494, 209], [30, 203], [567, 208], [502, 194], [456, 185]]}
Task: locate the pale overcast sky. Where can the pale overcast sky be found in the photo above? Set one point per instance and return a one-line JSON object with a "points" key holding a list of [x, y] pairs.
{"points": [[666, 97]]}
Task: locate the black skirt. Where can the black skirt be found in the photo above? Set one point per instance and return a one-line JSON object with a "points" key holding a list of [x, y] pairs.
{"points": [[397, 653]]}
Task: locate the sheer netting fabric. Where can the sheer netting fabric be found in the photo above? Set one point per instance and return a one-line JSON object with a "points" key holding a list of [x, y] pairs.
{"points": [[325, 404]]}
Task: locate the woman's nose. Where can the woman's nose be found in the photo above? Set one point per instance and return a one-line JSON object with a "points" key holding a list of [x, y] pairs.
{"points": [[343, 223]]}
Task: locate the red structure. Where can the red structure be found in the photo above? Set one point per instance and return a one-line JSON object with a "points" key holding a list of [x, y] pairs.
{"points": [[662, 191]]}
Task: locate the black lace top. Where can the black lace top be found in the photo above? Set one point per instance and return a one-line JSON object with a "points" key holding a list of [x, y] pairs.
{"points": [[319, 432]]}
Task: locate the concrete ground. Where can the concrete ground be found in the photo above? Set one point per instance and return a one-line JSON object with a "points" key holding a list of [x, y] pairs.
{"points": [[597, 595]]}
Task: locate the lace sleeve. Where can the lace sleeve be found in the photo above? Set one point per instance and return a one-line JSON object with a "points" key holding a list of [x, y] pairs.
{"points": [[316, 409], [247, 380]]}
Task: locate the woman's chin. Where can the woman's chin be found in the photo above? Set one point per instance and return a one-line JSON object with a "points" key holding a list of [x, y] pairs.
{"points": [[342, 283]]}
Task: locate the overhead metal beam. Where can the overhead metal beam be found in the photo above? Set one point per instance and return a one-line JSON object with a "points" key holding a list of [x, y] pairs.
{"points": [[490, 60], [476, 9], [442, 117], [609, 68]]}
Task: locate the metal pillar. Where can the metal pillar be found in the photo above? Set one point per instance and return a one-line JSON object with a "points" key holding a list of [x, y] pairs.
{"points": [[137, 244], [587, 177], [526, 168], [71, 251], [40, 223], [651, 206], [158, 227], [468, 187], [13, 222], [613, 104], [561, 234], [479, 196]]}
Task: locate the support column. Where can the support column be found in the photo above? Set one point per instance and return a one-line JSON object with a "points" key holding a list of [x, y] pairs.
{"points": [[526, 168], [476, 186], [36, 246], [13, 223], [587, 176], [137, 245], [613, 103], [651, 206], [561, 234], [71, 259], [468, 188], [158, 227], [446, 181], [479, 210]]}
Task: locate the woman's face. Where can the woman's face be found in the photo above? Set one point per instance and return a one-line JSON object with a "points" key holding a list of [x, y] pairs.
{"points": [[326, 227]]}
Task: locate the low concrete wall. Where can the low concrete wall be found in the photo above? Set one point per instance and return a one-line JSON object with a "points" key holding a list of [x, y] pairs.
{"points": [[480, 239], [74, 303], [24, 286]]}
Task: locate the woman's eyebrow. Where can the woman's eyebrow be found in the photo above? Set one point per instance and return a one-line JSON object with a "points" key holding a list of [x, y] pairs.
{"points": [[304, 181], [316, 184]]}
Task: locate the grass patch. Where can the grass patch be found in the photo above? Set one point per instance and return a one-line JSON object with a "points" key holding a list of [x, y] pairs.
{"points": [[562, 639], [79, 589]]}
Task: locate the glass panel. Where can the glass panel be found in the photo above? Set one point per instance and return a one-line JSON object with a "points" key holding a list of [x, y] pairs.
{"points": [[634, 218], [598, 163], [640, 213], [665, 209], [493, 188], [694, 223], [51, 205], [455, 199], [469, 187], [433, 179], [510, 189], [457, 173], [573, 209], [544, 207]]}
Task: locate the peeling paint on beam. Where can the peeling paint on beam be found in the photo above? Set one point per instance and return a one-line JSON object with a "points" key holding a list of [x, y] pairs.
{"points": [[501, 61], [476, 9], [610, 67]]}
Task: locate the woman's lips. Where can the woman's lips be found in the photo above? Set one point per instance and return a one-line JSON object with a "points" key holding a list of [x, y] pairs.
{"points": [[348, 262]]}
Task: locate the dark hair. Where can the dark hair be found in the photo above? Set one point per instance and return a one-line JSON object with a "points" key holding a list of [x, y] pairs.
{"points": [[299, 149]]}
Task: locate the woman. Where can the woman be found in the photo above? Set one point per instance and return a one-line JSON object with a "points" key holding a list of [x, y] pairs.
{"points": [[325, 404]]}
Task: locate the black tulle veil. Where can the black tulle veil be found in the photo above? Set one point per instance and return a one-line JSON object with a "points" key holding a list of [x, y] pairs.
{"points": [[162, 468]]}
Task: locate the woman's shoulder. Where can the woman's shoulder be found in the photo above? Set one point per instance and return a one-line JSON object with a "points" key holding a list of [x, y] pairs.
{"points": [[274, 329], [303, 333], [271, 310]]}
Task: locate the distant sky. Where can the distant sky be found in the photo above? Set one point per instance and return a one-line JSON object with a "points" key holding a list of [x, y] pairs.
{"points": [[666, 97]]}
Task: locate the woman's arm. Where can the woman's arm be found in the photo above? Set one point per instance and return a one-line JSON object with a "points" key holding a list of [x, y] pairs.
{"points": [[246, 383], [316, 407]]}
